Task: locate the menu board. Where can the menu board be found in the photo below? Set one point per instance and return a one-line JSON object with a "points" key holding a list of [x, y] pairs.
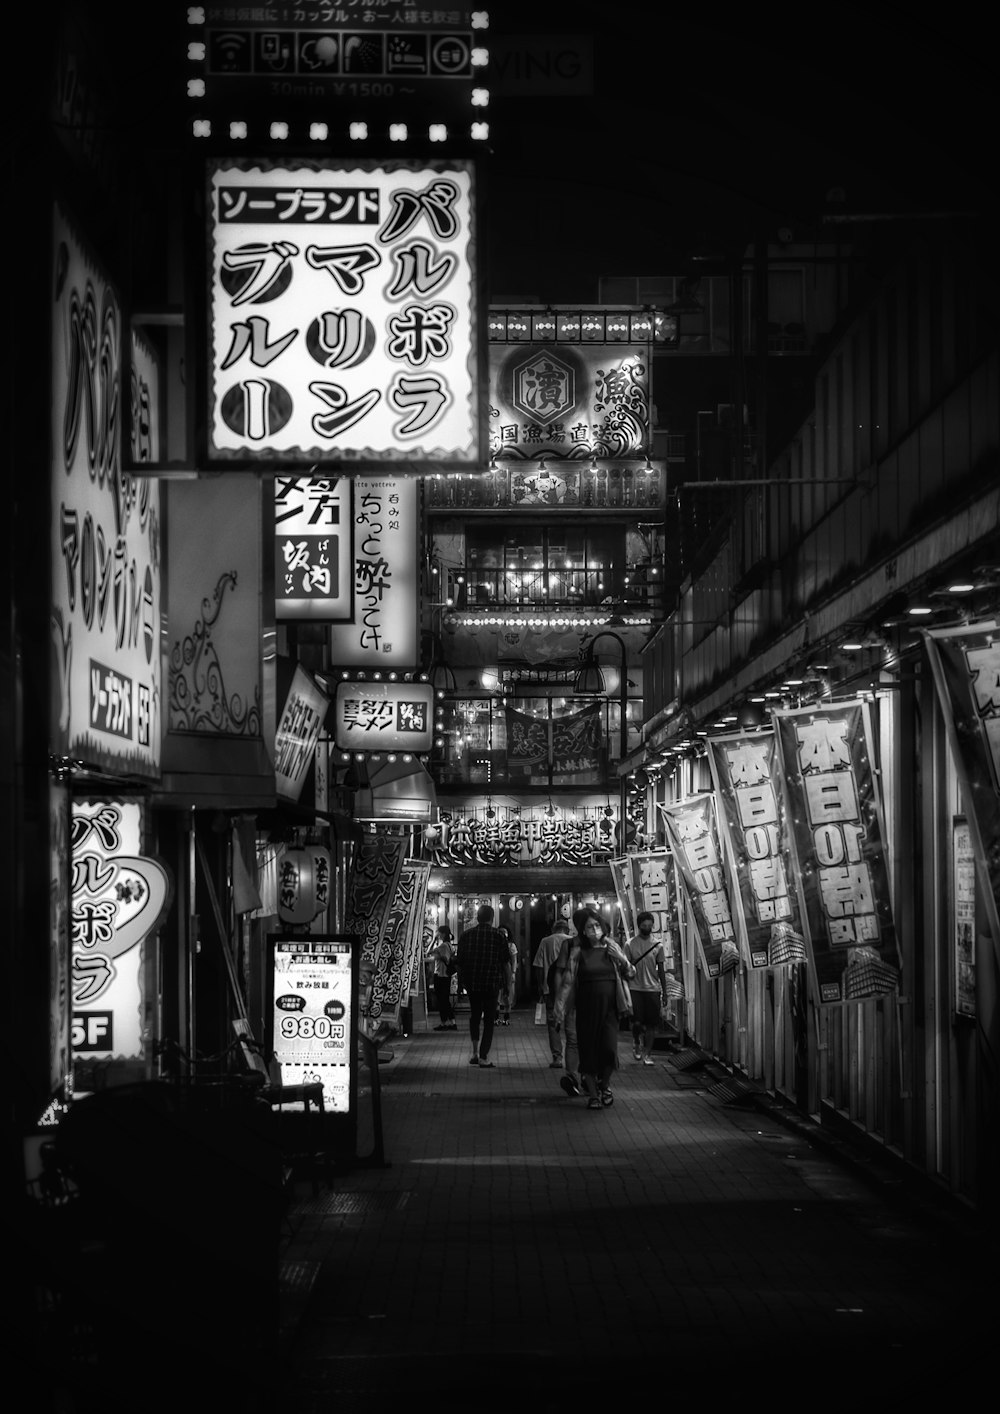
{"points": [[313, 1013]]}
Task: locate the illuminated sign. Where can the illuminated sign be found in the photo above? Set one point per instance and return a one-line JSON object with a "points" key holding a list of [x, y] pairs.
{"points": [[118, 898], [313, 547], [381, 716], [297, 734], [344, 319], [105, 537], [383, 631], [313, 1014]]}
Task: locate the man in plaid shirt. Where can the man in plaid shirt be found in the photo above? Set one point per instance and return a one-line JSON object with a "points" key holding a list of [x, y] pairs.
{"points": [[483, 962]]}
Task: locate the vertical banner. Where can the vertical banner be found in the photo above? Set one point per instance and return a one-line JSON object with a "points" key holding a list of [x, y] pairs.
{"points": [[963, 914], [375, 871], [694, 838], [965, 663], [654, 891], [393, 959], [752, 822], [622, 875], [837, 842]]}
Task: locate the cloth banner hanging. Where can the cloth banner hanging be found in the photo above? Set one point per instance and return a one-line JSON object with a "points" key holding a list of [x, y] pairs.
{"points": [[393, 961], [563, 745], [654, 890], [375, 871], [752, 822], [693, 835], [965, 664], [826, 757]]}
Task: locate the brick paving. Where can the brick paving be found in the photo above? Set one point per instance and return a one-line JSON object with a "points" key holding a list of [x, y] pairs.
{"points": [[515, 1247]]}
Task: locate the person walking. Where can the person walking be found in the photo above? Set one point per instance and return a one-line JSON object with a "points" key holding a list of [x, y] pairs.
{"points": [[505, 997], [593, 981], [646, 953], [483, 962], [442, 952], [546, 972]]}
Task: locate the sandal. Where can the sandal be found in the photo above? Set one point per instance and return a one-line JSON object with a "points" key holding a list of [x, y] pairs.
{"points": [[607, 1098], [594, 1104]]}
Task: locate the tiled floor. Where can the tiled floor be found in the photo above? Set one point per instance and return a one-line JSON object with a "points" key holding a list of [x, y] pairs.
{"points": [[515, 1246]]}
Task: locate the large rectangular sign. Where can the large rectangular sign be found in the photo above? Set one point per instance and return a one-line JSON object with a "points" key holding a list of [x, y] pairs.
{"points": [[313, 1018], [297, 734], [383, 629], [313, 548], [105, 543], [344, 319]]}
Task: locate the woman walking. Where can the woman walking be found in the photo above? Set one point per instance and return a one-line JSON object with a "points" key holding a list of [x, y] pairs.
{"points": [[594, 981]]}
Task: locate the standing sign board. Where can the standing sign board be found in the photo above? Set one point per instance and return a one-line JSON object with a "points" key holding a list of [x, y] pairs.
{"points": [[314, 985]]}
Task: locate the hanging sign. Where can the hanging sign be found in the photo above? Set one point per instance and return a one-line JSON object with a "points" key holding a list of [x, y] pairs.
{"points": [[344, 314], [297, 734], [694, 839], [384, 716], [751, 818], [837, 849], [965, 663]]}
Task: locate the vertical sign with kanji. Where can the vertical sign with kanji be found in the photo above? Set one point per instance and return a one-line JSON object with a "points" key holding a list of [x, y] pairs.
{"points": [[752, 821], [838, 851], [694, 839]]}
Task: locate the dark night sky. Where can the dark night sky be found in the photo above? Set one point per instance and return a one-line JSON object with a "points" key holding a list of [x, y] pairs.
{"points": [[706, 129]]}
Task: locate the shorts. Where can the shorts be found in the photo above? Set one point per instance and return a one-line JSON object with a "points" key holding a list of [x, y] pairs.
{"points": [[645, 1008]]}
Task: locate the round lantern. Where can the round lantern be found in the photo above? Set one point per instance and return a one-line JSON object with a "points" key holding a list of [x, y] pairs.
{"points": [[303, 883]]}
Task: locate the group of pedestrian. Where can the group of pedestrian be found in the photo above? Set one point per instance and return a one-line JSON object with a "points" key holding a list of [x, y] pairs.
{"points": [[591, 987]]}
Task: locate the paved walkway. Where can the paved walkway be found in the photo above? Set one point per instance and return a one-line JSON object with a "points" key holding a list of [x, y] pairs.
{"points": [[516, 1248]]}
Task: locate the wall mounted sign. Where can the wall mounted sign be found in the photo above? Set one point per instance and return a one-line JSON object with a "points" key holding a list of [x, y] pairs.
{"points": [[389, 56], [569, 402], [525, 835], [298, 731], [118, 898], [313, 548], [383, 630], [344, 315], [963, 906], [384, 716], [837, 847], [105, 540]]}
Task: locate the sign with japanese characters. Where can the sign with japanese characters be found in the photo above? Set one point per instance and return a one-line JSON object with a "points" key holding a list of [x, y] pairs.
{"points": [[654, 890], [313, 548], [355, 55], [752, 820], [313, 1014], [568, 402], [105, 538], [837, 847], [118, 897], [965, 663], [392, 962], [298, 731], [384, 716], [694, 839], [376, 865], [526, 834], [344, 321], [384, 626]]}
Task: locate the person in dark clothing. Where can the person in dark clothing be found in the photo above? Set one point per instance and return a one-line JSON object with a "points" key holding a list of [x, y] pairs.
{"points": [[483, 966], [443, 953], [593, 983]]}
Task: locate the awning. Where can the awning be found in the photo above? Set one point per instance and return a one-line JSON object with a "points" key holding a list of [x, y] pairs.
{"points": [[397, 789]]}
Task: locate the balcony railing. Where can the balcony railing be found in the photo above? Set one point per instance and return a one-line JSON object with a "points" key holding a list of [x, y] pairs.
{"points": [[635, 589]]}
